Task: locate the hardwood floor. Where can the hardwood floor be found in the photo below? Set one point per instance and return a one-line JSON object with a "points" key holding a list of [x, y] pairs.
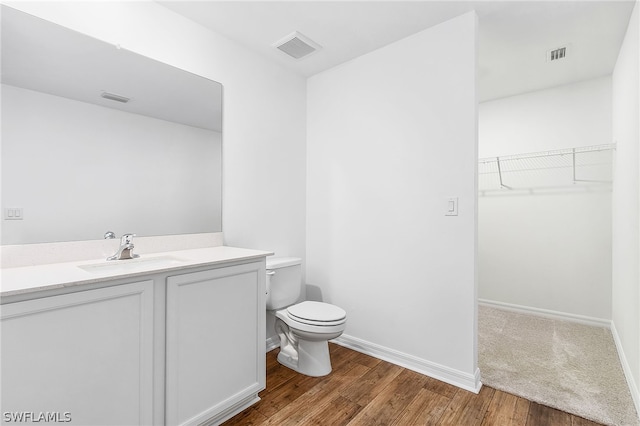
{"points": [[363, 390]]}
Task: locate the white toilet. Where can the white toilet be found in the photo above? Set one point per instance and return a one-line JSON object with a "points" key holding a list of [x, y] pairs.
{"points": [[304, 328]]}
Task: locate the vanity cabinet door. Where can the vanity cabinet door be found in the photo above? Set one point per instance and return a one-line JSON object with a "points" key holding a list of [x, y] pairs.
{"points": [[215, 360], [82, 358]]}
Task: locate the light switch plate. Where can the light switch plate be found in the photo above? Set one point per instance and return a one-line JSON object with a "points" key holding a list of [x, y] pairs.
{"points": [[451, 206]]}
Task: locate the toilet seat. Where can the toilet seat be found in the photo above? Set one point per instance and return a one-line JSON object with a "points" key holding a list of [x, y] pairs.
{"points": [[317, 314]]}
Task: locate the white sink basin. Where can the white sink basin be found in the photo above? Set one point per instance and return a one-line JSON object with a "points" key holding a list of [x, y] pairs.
{"points": [[131, 265]]}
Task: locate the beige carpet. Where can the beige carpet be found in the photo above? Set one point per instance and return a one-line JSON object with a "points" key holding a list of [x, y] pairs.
{"points": [[569, 366]]}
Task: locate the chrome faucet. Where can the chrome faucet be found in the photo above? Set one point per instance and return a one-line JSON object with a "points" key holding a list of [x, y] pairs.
{"points": [[126, 249]]}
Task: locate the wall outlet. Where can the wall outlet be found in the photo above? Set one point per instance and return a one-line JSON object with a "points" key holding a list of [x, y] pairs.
{"points": [[13, 213]]}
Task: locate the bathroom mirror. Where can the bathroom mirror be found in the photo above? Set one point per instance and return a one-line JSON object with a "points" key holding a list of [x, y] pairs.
{"points": [[96, 138]]}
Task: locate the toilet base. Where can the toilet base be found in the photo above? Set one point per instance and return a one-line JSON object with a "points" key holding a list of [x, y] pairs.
{"points": [[303, 351], [312, 358]]}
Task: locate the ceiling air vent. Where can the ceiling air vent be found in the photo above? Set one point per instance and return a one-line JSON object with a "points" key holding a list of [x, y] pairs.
{"points": [[557, 54], [114, 97], [297, 45]]}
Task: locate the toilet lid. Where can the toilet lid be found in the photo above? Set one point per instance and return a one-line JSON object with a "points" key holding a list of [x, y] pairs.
{"points": [[317, 313]]}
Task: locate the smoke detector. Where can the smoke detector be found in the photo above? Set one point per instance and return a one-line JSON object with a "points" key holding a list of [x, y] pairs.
{"points": [[297, 45], [557, 54]]}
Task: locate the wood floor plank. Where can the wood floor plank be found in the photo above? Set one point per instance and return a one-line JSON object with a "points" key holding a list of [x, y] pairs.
{"points": [[339, 412], [503, 410], [337, 352], [285, 385], [342, 359], [362, 390], [391, 400], [541, 415], [467, 408], [426, 409], [442, 388], [317, 399], [319, 407], [277, 375], [271, 360], [579, 421], [372, 383], [249, 417], [285, 394], [367, 360], [522, 411]]}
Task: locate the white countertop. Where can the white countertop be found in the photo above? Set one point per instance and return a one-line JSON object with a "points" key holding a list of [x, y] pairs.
{"points": [[59, 275]]}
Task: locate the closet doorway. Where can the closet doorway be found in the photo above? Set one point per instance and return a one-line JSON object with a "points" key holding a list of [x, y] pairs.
{"points": [[544, 250], [544, 201]]}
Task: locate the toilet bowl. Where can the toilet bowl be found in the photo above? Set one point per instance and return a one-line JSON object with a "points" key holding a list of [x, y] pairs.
{"points": [[304, 340], [304, 328]]}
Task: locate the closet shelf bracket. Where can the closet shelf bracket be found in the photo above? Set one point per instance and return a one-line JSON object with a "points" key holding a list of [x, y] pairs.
{"points": [[502, 185]]}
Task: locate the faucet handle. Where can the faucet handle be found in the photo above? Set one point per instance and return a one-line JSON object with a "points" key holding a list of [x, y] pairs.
{"points": [[109, 235], [127, 238]]}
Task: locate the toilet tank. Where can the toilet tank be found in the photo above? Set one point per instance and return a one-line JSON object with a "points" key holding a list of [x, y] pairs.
{"points": [[284, 281]]}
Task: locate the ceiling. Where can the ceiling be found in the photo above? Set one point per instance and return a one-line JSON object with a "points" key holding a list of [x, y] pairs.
{"points": [[514, 36], [75, 66]]}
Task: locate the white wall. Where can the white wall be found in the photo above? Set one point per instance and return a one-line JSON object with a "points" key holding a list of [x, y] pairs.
{"points": [[567, 116], [263, 113], [63, 163], [390, 135], [626, 200], [547, 250]]}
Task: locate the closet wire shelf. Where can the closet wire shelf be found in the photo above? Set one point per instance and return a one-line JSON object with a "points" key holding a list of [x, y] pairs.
{"points": [[584, 168]]}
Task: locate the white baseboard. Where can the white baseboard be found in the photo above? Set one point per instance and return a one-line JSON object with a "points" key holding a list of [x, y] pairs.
{"points": [[235, 409], [470, 382], [547, 313], [633, 386], [272, 343]]}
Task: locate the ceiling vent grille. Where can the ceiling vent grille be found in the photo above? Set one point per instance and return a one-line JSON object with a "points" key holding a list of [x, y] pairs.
{"points": [[557, 54], [297, 45], [114, 97]]}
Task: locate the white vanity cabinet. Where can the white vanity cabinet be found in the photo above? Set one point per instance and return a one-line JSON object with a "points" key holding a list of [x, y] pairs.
{"points": [[215, 356], [85, 358], [182, 345]]}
